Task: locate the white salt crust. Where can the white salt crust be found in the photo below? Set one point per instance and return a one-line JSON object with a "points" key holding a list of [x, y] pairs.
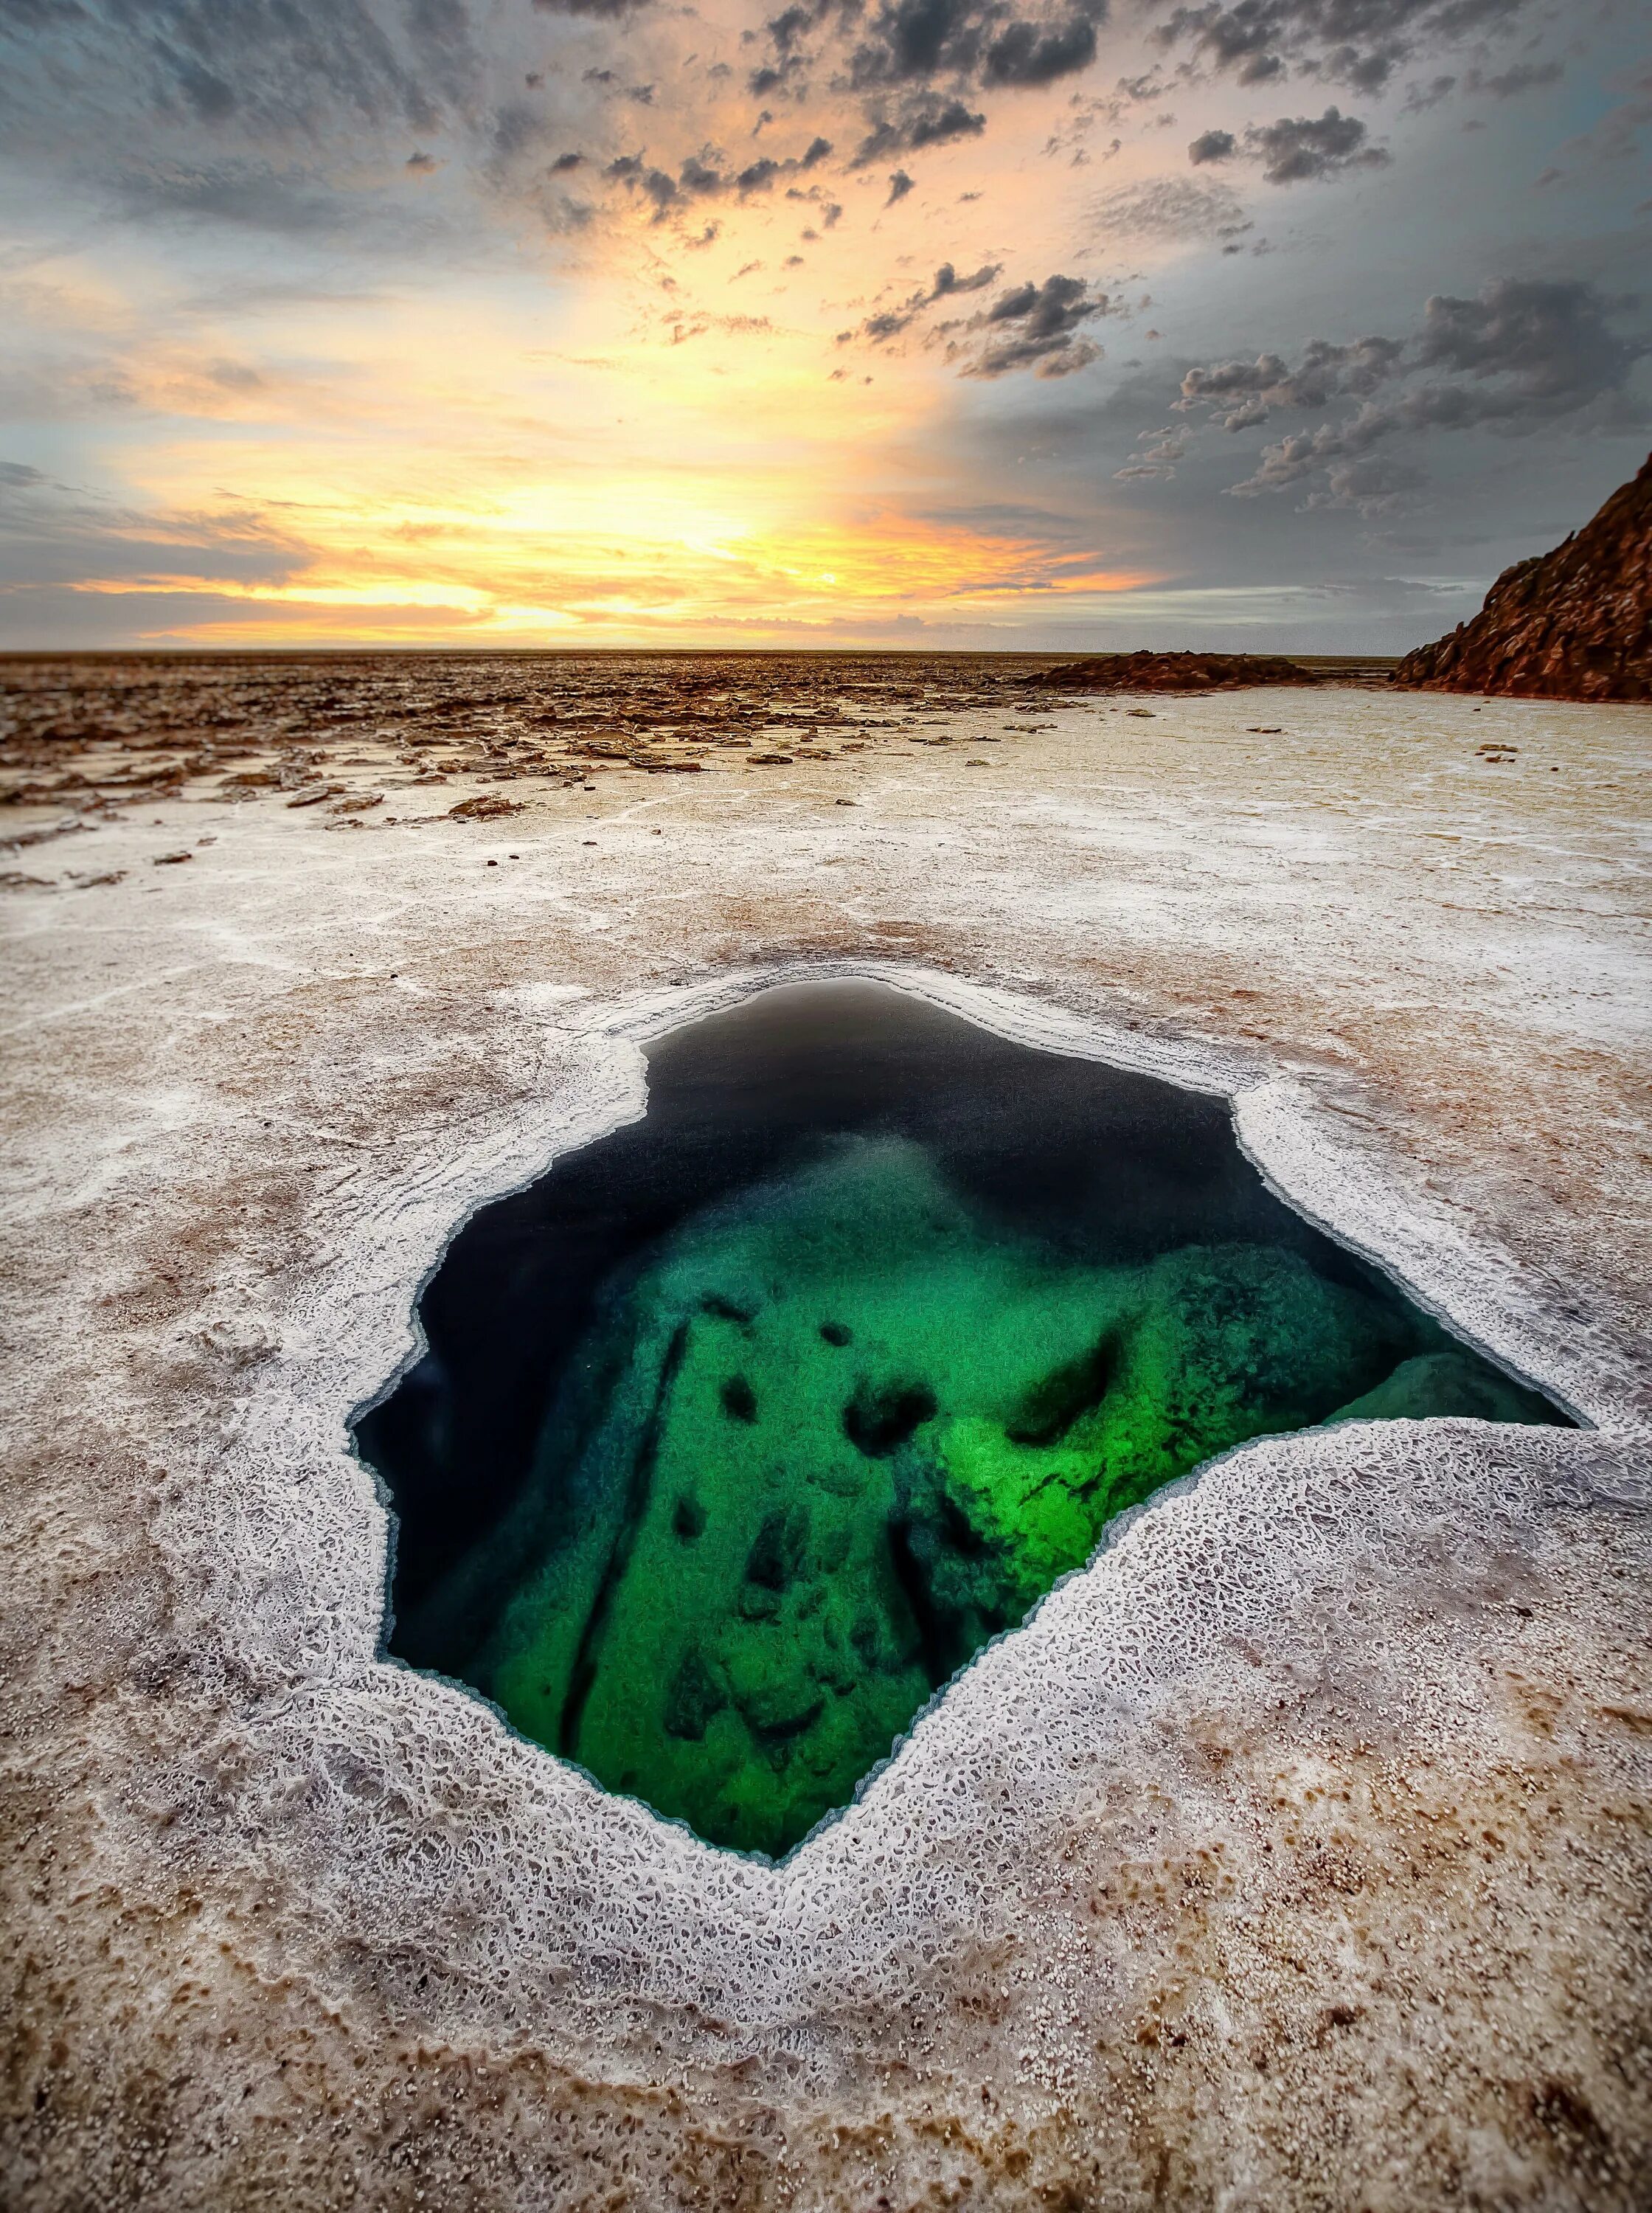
{"points": [[580, 1900], [380, 1841]]}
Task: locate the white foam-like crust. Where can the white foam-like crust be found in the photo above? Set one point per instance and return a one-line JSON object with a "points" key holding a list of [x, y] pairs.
{"points": [[420, 1866], [571, 1899]]}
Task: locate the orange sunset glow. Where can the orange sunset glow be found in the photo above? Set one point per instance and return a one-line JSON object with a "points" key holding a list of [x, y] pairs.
{"points": [[558, 324]]}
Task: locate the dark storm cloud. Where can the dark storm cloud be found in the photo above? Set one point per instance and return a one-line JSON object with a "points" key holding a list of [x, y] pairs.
{"points": [[1036, 327], [1554, 342], [1299, 147], [1524, 353], [632, 171], [947, 285], [1242, 393], [947, 49], [703, 176], [976, 41], [919, 120], [1031, 53], [1359, 43]]}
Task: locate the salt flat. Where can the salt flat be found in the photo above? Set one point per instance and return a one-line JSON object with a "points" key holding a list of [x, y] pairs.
{"points": [[1295, 1854]]}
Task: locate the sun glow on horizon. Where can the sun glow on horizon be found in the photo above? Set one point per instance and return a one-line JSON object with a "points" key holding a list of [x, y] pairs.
{"points": [[639, 326], [730, 511]]}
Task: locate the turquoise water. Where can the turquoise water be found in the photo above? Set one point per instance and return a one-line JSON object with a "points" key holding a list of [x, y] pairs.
{"points": [[826, 1434]]}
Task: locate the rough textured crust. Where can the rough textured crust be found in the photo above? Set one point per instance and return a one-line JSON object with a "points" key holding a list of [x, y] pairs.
{"points": [[1295, 1854]]}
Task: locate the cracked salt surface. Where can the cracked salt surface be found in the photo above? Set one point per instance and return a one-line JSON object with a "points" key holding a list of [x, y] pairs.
{"points": [[1294, 1854]]}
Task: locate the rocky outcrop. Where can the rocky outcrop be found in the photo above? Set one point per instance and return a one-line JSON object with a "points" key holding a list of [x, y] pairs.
{"points": [[1173, 671], [1575, 623]]}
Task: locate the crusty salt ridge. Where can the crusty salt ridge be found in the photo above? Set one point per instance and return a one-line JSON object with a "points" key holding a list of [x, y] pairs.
{"points": [[1296, 1853]]}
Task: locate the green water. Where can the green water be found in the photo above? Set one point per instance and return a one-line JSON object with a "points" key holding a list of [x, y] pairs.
{"points": [[837, 1435]]}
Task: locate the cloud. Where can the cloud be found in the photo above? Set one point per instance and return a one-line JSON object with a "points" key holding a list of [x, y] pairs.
{"points": [[270, 69], [701, 177], [1525, 76], [1296, 148], [244, 195], [899, 184], [632, 171], [1160, 451], [610, 10], [1032, 325], [294, 118], [55, 533], [1026, 53], [919, 120], [683, 328], [1168, 208], [947, 285], [1524, 353], [1552, 341], [1242, 393], [1300, 148], [1376, 485], [974, 41], [915, 64], [1036, 327], [1358, 42]]}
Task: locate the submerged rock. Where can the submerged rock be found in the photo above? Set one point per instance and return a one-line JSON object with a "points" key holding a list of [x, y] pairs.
{"points": [[1437, 1383], [836, 1436]]}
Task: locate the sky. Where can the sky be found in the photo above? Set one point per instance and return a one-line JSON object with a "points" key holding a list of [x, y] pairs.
{"points": [[986, 324]]}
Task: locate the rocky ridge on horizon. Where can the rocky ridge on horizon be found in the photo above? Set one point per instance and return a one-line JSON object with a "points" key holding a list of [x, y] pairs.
{"points": [[1573, 624], [1172, 672]]}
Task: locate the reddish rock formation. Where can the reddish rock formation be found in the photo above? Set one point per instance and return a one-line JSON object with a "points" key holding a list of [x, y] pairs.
{"points": [[1173, 671], [1575, 623]]}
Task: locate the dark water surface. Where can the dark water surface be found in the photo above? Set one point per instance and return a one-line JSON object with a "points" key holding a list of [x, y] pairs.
{"points": [[741, 1429]]}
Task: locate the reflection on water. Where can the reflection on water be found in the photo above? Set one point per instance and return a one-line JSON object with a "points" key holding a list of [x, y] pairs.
{"points": [[742, 1429]]}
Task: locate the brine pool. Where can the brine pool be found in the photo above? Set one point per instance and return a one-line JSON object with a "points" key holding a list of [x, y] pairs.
{"points": [[743, 1428]]}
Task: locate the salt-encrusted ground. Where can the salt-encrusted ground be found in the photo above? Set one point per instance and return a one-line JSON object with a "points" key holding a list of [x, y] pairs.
{"points": [[1297, 1855]]}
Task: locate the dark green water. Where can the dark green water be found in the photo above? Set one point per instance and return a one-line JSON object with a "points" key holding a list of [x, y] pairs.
{"points": [[810, 1384]]}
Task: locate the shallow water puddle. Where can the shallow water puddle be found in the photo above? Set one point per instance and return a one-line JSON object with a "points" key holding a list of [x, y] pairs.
{"points": [[742, 1429]]}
